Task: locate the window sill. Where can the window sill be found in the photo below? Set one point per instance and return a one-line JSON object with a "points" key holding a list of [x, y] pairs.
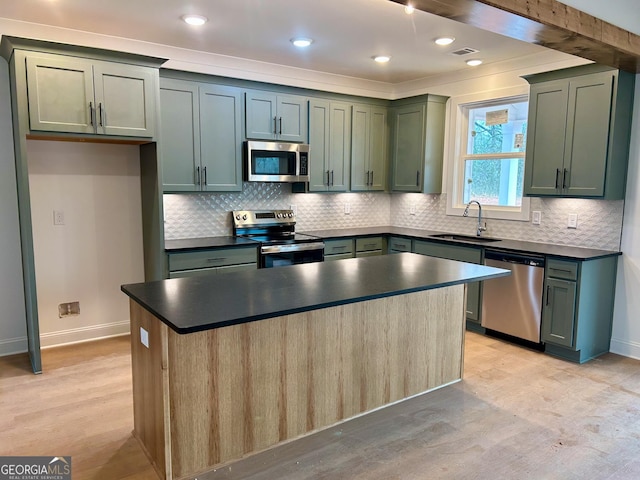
{"points": [[493, 212]]}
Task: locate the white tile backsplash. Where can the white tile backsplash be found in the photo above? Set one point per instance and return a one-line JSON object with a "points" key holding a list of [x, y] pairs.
{"points": [[207, 214]]}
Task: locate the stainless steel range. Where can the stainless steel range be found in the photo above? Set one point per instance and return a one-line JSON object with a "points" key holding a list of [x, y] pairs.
{"points": [[280, 244]]}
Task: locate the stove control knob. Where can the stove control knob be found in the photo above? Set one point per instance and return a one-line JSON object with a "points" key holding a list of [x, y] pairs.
{"points": [[290, 215], [279, 215], [244, 217], [238, 217]]}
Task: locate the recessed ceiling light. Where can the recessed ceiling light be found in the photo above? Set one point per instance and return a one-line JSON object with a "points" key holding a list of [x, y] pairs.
{"points": [[444, 41], [196, 20], [302, 42], [409, 9], [474, 63], [382, 58]]}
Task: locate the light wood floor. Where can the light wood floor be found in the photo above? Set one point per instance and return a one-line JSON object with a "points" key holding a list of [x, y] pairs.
{"points": [[517, 414]]}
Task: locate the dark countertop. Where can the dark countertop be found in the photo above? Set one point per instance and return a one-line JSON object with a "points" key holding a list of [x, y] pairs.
{"points": [[200, 303], [206, 242], [576, 253]]}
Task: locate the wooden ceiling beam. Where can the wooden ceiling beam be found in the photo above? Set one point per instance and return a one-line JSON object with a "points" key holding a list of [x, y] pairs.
{"points": [[544, 22]]}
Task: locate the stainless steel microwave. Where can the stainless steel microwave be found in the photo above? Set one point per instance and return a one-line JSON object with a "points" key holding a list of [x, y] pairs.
{"points": [[276, 162]]}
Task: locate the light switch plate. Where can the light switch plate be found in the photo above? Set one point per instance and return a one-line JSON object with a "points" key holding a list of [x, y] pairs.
{"points": [[536, 217], [144, 337], [572, 221], [412, 210]]}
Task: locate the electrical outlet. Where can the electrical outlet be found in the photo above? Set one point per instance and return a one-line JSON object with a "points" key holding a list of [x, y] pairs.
{"points": [[58, 217], [536, 216], [347, 208], [294, 209], [412, 210], [144, 337], [572, 221]]}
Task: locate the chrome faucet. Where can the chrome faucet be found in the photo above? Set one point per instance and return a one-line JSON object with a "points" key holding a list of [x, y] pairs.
{"points": [[481, 228]]}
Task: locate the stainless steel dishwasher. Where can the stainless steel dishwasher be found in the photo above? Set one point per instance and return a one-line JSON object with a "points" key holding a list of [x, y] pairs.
{"points": [[513, 304]]}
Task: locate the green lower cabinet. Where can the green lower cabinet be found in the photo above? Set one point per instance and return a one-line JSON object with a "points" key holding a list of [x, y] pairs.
{"points": [[559, 312], [338, 249], [577, 311], [399, 245], [212, 261], [369, 246], [462, 254]]}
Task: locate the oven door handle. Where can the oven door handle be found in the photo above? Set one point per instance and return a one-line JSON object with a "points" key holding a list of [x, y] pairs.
{"points": [[296, 247]]}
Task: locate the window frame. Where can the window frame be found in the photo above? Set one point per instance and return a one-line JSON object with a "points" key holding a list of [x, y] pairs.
{"points": [[458, 132]]}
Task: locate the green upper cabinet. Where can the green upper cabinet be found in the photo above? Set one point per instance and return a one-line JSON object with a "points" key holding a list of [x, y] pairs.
{"points": [[417, 144], [201, 137], [578, 133], [369, 145], [271, 116], [329, 145], [76, 95]]}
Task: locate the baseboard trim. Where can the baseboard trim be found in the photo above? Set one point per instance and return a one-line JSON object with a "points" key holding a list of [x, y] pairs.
{"points": [[84, 334], [625, 348], [11, 346]]}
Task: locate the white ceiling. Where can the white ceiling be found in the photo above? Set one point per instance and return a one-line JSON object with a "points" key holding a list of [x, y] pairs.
{"points": [[346, 33]]}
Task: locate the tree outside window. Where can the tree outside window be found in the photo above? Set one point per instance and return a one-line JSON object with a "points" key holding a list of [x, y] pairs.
{"points": [[493, 160]]}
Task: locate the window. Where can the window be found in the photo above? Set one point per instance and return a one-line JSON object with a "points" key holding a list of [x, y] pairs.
{"points": [[489, 161]]}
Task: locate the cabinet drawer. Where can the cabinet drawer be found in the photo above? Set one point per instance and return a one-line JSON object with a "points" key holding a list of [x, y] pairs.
{"points": [[399, 244], [339, 256], [450, 252], [369, 253], [564, 269], [342, 246], [212, 258], [367, 244]]}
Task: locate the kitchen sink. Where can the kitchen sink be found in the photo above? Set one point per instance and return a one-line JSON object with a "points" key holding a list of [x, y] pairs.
{"points": [[465, 238]]}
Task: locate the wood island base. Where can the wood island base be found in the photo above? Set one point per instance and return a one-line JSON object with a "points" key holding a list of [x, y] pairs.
{"points": [[206, 398]]}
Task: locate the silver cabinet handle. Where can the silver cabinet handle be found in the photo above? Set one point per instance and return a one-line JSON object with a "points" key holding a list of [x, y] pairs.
{"points": [[197, 175], [92, 120], [275, 125], [204, 183]]}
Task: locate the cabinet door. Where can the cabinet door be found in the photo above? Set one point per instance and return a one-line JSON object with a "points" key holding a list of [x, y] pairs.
{"points": [[318, 145], [360, 148], [378, 148], [339, 146], [125, 95], [462, 254], [408, 147], [292, 115], [221, 138], [60, 92], [558, 312], [261, 118], [180, 136], [587, 141], [546, 138]]}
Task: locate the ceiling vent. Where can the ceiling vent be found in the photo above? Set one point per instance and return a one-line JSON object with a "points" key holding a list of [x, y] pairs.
{"points": [[464, 51]]}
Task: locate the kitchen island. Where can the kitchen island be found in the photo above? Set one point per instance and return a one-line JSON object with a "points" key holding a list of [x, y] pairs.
{"points": [[227, 365]]}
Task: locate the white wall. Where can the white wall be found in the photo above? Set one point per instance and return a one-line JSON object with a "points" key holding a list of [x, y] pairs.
{"points": [[99, 247], [13, 329], [626, 327]]}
